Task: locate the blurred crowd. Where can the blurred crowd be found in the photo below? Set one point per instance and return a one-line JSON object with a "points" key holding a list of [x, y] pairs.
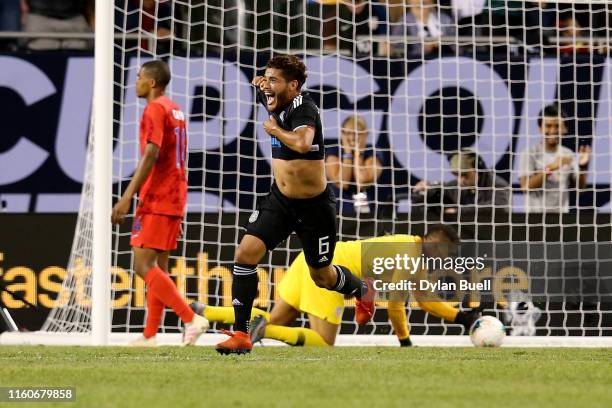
{"points": [[48, 16], [391, 27], [426, 27]]}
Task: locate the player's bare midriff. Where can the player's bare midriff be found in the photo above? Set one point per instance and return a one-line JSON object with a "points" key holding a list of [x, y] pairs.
{"points": [[299, 178]]}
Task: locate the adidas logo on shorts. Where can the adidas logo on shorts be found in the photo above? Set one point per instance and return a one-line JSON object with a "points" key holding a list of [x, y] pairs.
{"points": [[236, 302], [323, 259]]}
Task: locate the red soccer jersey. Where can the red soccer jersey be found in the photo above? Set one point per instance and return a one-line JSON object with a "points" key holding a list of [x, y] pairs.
{"points": [[165, 190]]}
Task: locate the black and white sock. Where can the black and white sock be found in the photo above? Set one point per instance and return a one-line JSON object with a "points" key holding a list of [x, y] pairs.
{"points": [[348, 284], [244, 291]]}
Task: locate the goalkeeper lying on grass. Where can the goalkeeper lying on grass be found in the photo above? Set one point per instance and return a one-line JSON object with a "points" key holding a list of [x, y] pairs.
{"points": [[299, 294]]}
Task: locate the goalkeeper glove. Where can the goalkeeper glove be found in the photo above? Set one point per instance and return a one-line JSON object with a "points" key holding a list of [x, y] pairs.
{"points": [[468, 317]]}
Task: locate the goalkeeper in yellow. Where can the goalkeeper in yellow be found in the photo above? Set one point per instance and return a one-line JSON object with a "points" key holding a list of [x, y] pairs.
{"points": [[299, 294]]}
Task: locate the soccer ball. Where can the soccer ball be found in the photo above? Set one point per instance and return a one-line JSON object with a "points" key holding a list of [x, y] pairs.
{"points": [[487, 331]]}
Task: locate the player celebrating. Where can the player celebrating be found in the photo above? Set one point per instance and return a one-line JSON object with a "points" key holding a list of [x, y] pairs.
{"points": [[299, 201], [162, 191], [298, 294]]}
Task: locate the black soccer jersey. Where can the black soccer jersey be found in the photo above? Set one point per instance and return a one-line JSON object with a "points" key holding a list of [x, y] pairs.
{"points": [[301, 112]]}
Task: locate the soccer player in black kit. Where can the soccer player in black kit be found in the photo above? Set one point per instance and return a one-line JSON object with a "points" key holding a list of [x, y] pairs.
{"points": [[299, 201]]}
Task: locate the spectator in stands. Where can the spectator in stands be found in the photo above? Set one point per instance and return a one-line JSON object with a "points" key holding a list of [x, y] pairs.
{"points": [[571, 30], [153, 16], [57, 16], [466, 13], [476, 187], [547, 169], [424, 20], [567, 21], [353, 168]]}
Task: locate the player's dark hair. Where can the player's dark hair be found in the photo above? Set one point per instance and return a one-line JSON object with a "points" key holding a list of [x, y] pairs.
{"points": [[159, 71], [293, 68], [553, 111], [446, 231]]}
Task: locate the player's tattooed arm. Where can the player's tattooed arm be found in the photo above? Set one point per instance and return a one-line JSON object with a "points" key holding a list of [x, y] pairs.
{"points": [[145, 165], [299, 140]]}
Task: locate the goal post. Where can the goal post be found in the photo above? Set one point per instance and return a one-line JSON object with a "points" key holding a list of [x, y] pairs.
{"points": [[422, 91], [101, 137]]}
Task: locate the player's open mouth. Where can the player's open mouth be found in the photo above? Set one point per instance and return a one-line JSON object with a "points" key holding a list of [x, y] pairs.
{"points": [[270, 99]]}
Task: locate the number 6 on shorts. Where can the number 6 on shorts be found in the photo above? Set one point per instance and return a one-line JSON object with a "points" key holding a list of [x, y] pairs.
{"points": [[324, 245]]}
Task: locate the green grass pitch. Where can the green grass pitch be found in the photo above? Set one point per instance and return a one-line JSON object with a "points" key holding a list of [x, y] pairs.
{"points": [[316, 377]]}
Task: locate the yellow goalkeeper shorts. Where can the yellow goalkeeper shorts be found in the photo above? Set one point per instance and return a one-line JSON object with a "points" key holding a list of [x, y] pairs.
{"points": [[299, 291]]}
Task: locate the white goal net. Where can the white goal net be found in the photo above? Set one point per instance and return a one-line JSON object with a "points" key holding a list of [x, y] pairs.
{"points": [[418, 81]]}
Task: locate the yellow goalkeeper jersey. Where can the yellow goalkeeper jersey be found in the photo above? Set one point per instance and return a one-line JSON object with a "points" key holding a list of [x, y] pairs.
{"points": [[298, 290]]}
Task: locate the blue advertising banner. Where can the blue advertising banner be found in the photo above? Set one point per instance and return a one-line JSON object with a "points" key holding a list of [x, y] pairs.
{"points": [[415, 111]]}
